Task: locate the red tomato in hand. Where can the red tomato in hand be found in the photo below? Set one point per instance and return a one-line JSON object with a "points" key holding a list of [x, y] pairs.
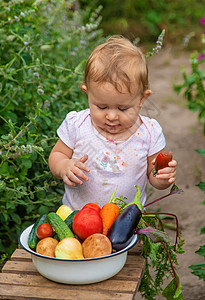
{"points": [[93, 205], [162, 160], [44, 230]]}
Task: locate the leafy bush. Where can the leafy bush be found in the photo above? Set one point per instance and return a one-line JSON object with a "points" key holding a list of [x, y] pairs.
{"points": [[199, 269], [146, 19], [194, 91], [193, 85], [43, 47]]}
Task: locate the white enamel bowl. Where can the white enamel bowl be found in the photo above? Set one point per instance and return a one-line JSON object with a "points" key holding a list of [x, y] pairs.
{"points": [[77, 271]]}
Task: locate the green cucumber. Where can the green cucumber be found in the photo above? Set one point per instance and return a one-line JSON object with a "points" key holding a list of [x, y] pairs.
{"points": [[69, 219], [32, 238], [60, 227]]}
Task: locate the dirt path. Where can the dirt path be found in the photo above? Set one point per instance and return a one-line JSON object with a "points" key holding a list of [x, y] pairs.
{"points": [[183, 135]]}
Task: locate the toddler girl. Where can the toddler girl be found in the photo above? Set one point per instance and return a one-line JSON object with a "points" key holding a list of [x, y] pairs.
{"points": [[110, 144]]}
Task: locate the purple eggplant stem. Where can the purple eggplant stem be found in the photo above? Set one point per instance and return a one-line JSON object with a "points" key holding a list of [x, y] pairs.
{"points": [[174, 190]]}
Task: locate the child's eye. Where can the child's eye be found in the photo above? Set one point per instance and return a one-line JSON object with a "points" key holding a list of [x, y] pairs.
{"points": [[101, 107], [122, 108]]}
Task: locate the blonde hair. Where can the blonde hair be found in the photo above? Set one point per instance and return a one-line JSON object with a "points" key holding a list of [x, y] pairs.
{"points": [[118, 62]]}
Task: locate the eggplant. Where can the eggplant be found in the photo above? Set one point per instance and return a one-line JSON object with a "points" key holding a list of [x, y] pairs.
{"points": [[120, 246], [123, 228]]}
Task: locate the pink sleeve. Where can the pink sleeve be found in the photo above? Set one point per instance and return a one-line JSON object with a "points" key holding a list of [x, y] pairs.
{"points": [[157, 139], [67, 129]]}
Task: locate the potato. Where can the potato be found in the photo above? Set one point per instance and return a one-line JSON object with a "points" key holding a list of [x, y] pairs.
{"points": [[47, 246], [96, 245]]}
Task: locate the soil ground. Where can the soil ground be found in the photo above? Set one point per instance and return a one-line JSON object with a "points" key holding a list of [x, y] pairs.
{"points": [[183, 134]]}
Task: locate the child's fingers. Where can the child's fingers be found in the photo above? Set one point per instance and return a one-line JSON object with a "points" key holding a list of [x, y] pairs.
{"points": [[80, 163], [74, 179], [68, 181], [82, 167], [78, 172], [167, 170], [167, 173], [84, 158], [172, 180], [172, 163]]}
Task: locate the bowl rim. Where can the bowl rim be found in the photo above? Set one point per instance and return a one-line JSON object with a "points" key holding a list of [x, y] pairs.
{"points": [[28, 249]]}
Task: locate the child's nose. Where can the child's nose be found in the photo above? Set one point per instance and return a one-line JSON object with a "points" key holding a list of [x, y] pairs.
{"points": [[112, 115]]}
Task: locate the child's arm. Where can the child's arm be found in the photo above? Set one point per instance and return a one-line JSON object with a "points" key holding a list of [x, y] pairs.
{"points": [[64, 167], [165, 177]]}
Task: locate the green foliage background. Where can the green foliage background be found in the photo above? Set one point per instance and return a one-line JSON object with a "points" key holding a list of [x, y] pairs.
{"points": [[146, 19], [43, 48]]}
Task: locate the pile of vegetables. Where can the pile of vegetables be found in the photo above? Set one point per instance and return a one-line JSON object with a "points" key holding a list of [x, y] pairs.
{"points": [[94, 232], [98, 230], [78, 234]]}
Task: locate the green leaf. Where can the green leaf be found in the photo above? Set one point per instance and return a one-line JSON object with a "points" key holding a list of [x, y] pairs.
{"points": [[155, 235], [202, 230], [2, 185], [4, 169], [201, 185], [171, 292], [154, 249], [201, 251], [27, 163], [201, 151], [43, 210], [198, 270], [16, 218], [190, 79]]}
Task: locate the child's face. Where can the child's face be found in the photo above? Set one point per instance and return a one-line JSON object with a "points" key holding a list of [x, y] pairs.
{"points": [[114, 114]]}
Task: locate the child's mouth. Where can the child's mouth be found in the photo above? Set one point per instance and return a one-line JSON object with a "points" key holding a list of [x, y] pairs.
{"points": [[113, 127]]}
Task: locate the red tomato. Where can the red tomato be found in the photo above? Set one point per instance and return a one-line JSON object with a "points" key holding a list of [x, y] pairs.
{"points": [[93, 205], [44, 230], [87, 222]]}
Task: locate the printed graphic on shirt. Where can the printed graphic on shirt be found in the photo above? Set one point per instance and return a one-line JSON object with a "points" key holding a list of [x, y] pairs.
{"points": [[109, 161]]}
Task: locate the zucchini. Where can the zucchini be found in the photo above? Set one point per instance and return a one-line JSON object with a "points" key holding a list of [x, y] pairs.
{"points": [[32, 238], [69, 219], [60, 227]]}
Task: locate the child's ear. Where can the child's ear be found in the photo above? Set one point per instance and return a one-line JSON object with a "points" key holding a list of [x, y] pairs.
{"points": [[84, 88], [146, 95]]}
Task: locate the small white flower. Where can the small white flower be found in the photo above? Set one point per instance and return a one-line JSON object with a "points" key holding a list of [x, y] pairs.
{"points": [[30, 148], [40, 91]]}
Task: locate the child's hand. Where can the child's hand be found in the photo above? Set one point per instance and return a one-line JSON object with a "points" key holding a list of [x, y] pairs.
{"points": [[72, 171], [168, 173]]}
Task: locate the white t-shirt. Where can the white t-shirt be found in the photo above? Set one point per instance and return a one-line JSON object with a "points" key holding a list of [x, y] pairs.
{"points": [[122, 164]]}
